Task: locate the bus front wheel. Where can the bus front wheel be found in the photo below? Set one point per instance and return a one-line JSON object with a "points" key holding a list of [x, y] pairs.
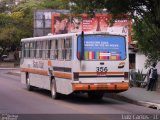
{"points": [[28, 86], [54, 93]]}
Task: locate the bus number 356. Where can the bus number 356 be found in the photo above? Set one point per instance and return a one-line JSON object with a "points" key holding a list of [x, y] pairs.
{"points": [[101, 69]]}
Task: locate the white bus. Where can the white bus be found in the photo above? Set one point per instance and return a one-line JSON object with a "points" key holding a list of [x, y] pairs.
{"points": [[94, 63]]}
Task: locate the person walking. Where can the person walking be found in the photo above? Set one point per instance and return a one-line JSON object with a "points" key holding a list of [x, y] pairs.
{"points": [[152, 77]]}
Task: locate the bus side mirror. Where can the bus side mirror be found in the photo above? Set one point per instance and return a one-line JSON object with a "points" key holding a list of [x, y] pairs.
{"points": [[81, 52]]}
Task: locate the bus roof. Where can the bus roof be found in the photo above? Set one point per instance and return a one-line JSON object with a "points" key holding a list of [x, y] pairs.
{"points": [[52, 36]]}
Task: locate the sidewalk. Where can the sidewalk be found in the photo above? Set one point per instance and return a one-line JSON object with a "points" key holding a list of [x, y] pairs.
{"points": [[133, 95], [140, 96]]}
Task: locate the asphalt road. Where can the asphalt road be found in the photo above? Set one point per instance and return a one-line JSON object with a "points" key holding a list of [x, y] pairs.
{"points": [[16, 100]]}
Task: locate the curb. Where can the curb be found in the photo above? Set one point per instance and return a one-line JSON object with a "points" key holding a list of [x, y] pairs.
{"points": [[150, 105], [140, 103]]}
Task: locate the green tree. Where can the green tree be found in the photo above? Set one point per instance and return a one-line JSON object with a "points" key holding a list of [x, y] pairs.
{"points": [[16, 21], [145, 14], [5, 20], [13, 27], [2, 6], [56, 4], [6, 35]]}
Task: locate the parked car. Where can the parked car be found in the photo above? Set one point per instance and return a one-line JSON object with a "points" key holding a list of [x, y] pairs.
{"points": [[7, 58], [4, 57]]}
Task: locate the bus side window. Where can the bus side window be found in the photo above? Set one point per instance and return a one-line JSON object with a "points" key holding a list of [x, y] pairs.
{"points": [[49, 48], [52, 51], [23, 50], [63, 57], [35, 46], [26, 50], [44, 50], [29, 50], [38, 49], [32, 47], [60, 48], [56, 49], [68, 48]]}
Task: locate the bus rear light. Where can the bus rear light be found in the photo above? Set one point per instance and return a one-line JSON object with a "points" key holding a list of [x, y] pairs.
{"points": [[76, 76], [126, 75]]}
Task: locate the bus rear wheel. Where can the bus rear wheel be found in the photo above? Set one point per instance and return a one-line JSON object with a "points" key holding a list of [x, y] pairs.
{"points": [[95, 95], [54, 93], [28, 86]]}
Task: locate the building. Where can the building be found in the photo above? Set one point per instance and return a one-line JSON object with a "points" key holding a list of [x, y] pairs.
{"points": [[43, 21], [137, 62]]}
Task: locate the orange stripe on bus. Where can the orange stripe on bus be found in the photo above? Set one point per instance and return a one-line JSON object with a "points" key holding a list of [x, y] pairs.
{"points": [[50, 63], [34, 71], [100, 86], [95, 73], [43, 72], [62, 75]]}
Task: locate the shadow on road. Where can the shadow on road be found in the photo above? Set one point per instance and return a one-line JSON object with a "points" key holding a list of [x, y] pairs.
{"points": [[78, 98]]}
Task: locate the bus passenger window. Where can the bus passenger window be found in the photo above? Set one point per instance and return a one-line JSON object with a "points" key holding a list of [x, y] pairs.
{"points": [[56, 49], [52, 49], [53, 54], [44, 49], [29, 50], [63, 57], [60, 48], [49, 48], [23, 50], [68, 48], [32, 47], [35, 46], [26, 50], [38, 49]]}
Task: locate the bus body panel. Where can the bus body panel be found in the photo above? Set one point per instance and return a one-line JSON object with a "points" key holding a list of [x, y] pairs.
{"points": [[64, 86], [87, 72]]}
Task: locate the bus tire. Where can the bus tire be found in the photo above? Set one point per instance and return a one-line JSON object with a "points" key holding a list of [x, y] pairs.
{"points": [[54, 93], [93, 95], [28, 86]]}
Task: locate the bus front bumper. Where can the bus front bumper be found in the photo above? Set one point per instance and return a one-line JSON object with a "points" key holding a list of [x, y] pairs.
{"points": [[100, 86]]}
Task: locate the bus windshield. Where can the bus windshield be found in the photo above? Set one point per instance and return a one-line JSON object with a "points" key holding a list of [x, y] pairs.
{"points": [[102, 47]]}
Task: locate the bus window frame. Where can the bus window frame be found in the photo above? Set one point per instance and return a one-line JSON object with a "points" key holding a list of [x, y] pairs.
{"points": [[32, 50], [53, 49], [26, 49], [22, 49], [68, 47], [45, 49], [39, 50]]}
